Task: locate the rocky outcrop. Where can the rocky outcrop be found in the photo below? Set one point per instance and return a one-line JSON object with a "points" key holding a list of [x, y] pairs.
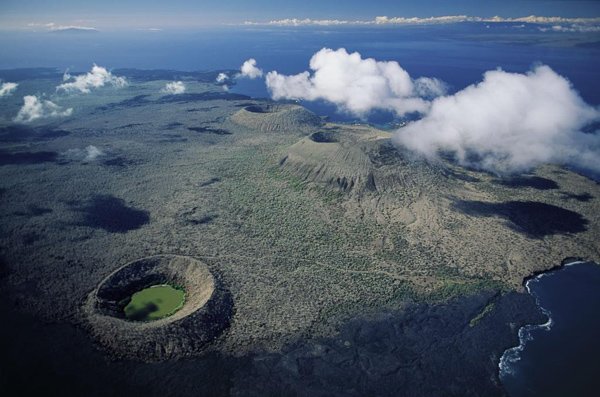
{"points": [[354, 159], [277, 117]]}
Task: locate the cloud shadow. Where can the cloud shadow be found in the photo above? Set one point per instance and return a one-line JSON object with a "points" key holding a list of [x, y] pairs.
{"points": [[531, 218], [534, 182], [7, 157], [22, 133], [111, 214]]}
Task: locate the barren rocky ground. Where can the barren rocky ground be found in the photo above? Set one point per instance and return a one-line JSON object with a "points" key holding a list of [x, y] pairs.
{"points": [[306, 224]]}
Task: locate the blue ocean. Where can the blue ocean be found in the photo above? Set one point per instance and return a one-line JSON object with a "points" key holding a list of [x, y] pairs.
{"points": [[560, 357], [455, 53]]}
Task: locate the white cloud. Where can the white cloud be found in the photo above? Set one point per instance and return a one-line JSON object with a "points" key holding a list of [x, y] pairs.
{"points": [[63, 28], [90, 153], [544, 20], [54, 27], [356, 85], [307, 22], [96, 78], [508, 123], [174, 88], [7, 89], [250, 70], [385, 20], [430, 87], [222, 77], [572, 28], [35, 108], [464, 18]]}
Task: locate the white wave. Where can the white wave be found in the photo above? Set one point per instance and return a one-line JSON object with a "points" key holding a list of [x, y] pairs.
{"points": [[513, 355], [574, 263]]}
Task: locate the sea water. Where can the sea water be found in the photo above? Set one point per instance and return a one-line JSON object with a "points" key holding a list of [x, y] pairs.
{"points": [[456, 53], [559, 357]]}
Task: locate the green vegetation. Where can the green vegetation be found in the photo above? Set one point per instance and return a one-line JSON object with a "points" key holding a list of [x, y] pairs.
{"points": [[453, 286], [154, 303], [487, 309], [308, 230]]}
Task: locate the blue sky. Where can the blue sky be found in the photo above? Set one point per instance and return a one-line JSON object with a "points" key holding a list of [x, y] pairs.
{"points": [[172, 13]]}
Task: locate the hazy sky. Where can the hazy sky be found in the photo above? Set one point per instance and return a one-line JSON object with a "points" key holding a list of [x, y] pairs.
{"points": [[185, 13]]}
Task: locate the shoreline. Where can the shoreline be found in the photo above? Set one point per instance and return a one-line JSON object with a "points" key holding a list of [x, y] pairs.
{"points": [[512, 354]]}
